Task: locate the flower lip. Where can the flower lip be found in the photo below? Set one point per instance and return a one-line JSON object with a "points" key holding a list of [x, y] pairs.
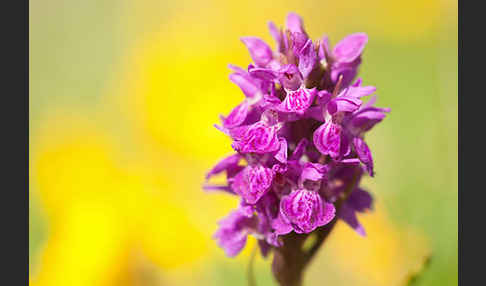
{"points": [[297, 101], [257, 138], [306, 210], [233, 231], [253, 182], [327, 139]]}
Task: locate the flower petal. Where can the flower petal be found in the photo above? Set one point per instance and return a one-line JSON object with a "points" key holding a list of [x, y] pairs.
{"points": [[253, 182], [364, 154], [223, 165], [276, 35], [307, 58], [298, 101], [360, 200], [306, 210], [260, 52], [347, 70], [343, 104], [212, 188], [246, 83], [300, 149], [350, 48], [236, 116], [367, 116], [257, 138], [327, 139], [313, 172], [233, 232], [348, 215], [281, 225], [282, 152], [294, 23]]}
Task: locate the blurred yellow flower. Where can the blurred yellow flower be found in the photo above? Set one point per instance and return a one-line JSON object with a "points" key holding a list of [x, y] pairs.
{"points": [[100, 214], [175, 100]]}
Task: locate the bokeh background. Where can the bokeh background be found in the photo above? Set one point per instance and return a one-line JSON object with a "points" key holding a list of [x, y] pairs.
{"points": [[123, 96]]}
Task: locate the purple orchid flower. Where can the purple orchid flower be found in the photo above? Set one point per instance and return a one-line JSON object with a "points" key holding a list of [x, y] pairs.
{"points": [[299, 137]]}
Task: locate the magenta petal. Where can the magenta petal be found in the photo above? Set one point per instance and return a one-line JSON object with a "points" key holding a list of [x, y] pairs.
{"points": [[345, 146], [324, 51], [257, 138], [281, 225], [263, 73], [306, 210], [298, 101], [348, 215], [282, 152], [274, 31], [276, 35], [307, 58], [260, 52], [347, 70], [360, 91], [233, 231], [236, 69], [212, 188], [367, 116], [226, 163], [313, 172], [343, 104], [364, 154], [351, 161], [300, 149], [299, 41], [350, 48], [249, 87], [260, 179], [236, 116], [270, 101], [329, 214], [323, 97], [294, 23], [327, 139], [360, 200], [253, 182]]}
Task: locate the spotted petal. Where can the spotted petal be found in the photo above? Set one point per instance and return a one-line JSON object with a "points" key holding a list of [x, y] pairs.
{"points": [[306, 210], [327, 139], [298, 101]]}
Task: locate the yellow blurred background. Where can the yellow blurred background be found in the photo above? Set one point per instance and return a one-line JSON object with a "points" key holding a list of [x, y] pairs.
{"points": [[124, 95]]}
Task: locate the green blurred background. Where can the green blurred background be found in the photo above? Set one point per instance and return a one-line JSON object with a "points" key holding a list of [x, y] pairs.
{"points": [[123, 95]]}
